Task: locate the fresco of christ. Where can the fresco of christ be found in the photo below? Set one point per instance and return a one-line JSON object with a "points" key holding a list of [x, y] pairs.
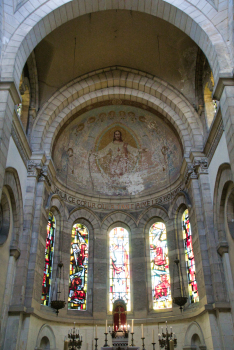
{"points": [[122, 156]]}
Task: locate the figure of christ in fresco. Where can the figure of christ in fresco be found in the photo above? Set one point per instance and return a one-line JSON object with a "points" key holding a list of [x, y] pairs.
{"points": [[123, 156], [119, 260]]}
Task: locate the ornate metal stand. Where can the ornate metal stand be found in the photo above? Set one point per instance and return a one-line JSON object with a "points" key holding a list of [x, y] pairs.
{"points": [[105, 345], [143, 343], [96, 347], [132, 341], [153, 346], [164, 339], [75, 341]]}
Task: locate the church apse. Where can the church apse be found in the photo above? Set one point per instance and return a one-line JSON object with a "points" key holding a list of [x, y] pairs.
{"points": [[117, 151]]}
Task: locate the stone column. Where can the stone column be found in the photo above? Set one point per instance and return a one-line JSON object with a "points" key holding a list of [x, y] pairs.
{"points": [[38, 239], [17, 307], [138, 273], [203, 271], [100, 280], [225, 92], [9, 97], [14, 255], [215, 264]]}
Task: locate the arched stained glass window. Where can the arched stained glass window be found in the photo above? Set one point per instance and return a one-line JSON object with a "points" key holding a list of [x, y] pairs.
{"points": [[77, 299], [49, 254], [119, 267], [189, 258], [160, 277]]}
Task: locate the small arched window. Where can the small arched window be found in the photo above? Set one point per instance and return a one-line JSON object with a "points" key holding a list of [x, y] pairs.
{"points": [[119, 267], [160, 277], [189, 258], [49, 254], [78, 280]]}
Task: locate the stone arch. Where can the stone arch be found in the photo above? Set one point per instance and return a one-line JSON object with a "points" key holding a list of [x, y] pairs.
{"points": [[194, 335], [182, 198], [118, 216], [223, 184], [46, 331], [41, 21], [117, 83], [149, 213], [12, 183]]}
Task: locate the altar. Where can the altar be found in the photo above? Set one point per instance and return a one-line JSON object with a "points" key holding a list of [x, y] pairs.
{"points": [[120, 333]]}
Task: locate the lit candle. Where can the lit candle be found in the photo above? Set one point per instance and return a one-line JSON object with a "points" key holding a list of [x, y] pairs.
{"points": [[96, 332], [152, 336], [142, 331], [106, 326], [132, 325]]}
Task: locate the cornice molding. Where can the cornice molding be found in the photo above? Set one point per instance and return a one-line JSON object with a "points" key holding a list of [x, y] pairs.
{"points": [[226, 79]]}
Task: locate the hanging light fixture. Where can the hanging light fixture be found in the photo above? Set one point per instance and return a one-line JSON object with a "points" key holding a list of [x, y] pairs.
{"points": [[180, 300], [58, 303]]}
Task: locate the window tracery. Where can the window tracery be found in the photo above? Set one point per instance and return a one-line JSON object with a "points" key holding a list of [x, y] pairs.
{"points": [[189, 258], [119, 267], [49, 254], [78, 280], [160, 277]]}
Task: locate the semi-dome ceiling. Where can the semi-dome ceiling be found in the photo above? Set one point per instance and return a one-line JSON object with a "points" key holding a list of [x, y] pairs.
{"points": [[109, 38], [117, 150]]}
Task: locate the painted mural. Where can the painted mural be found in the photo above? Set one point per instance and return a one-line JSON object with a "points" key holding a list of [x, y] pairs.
{"points": [[117, 150]]}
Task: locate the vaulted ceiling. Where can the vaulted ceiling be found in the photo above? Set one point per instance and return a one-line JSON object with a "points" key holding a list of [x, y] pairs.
{"points": [[124, 38]]}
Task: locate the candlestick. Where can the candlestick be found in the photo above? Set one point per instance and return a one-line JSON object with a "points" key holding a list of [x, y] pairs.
{"points": [[142, 331], [143, 343], [105, 345], [96, 332], [132, 326], [132, 343], [153, 346], [106, 326], [152, 336], [96, 346]]}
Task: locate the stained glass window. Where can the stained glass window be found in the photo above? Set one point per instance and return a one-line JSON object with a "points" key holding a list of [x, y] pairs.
{"points": [[48, 266], [189, 258], [160, 277], [77, 299], [119, 267]]}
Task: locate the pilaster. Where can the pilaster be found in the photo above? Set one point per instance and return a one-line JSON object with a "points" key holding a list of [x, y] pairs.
{"points": [[38, 238], [34, 172], [9, 97]]}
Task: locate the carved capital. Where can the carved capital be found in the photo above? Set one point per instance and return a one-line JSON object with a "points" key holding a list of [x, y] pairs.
{"points": [[34, 169], [201, 166], [222, 248], [15, 252], [190, 173], [44, 175]]}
